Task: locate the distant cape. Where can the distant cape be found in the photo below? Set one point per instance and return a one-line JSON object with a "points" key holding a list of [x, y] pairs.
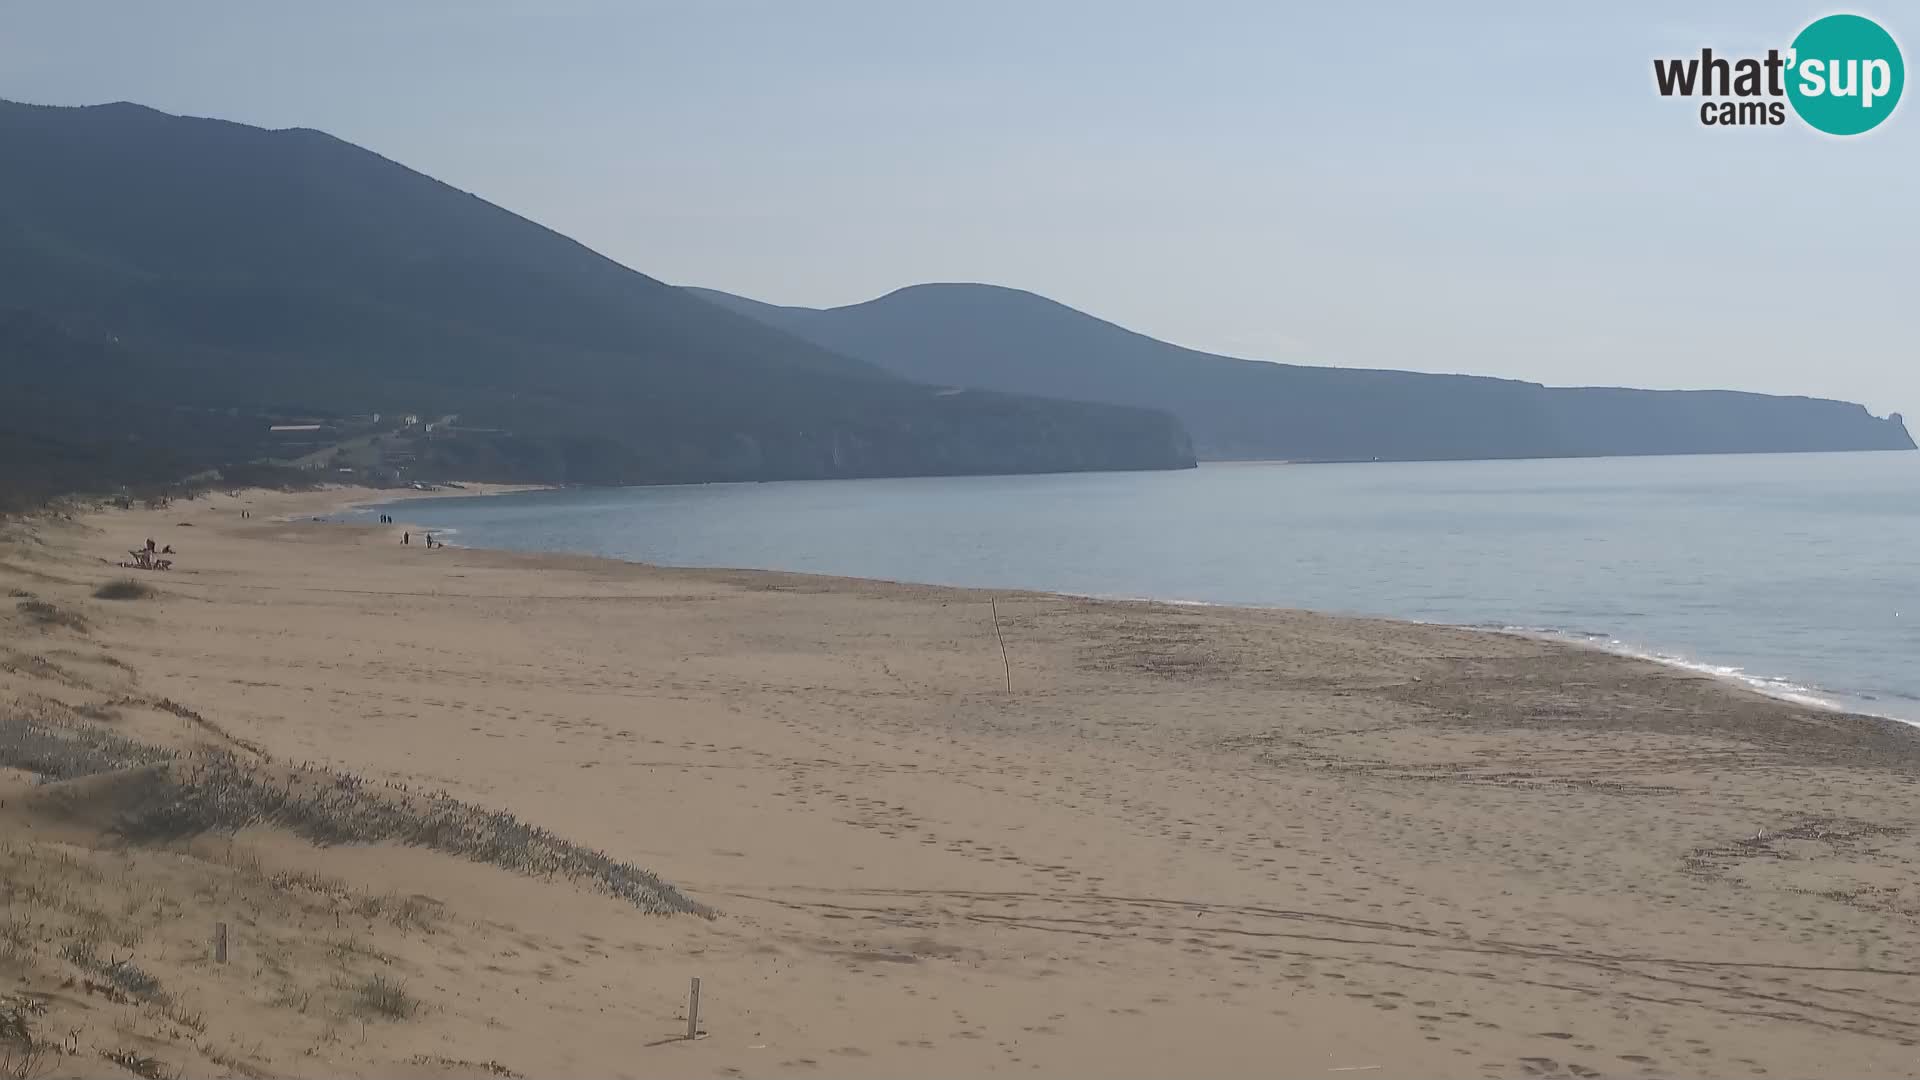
{"points": [[1004, 339]]}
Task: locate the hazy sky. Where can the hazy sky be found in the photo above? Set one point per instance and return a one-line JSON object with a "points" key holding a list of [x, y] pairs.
{"points": [[1496, 190]]}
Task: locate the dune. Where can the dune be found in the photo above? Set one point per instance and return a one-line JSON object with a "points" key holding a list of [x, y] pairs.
{"points": [[471, 813]]}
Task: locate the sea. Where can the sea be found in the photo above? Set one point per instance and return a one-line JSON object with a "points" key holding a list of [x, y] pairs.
{"points": [[1796, 574]]}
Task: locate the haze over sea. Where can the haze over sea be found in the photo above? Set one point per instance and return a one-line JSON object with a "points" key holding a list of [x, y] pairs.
{"points": [[1799, 574]]}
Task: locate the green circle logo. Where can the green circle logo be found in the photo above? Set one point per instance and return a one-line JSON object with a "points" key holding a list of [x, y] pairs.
{"points": [[1846, 74]]}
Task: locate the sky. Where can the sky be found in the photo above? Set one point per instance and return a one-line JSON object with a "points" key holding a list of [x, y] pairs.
{"points": [[1493, 188]]}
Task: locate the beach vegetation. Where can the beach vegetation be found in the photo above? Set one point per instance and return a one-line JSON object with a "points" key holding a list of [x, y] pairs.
{"points": [[166, 796], [47, 615], [125, 589], [382, 996]]}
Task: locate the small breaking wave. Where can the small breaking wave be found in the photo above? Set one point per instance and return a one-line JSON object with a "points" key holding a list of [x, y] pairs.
{"points": [[1773, 686]]}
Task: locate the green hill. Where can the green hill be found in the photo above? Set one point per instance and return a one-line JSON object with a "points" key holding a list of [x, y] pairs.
{"points": [[174, 263]]}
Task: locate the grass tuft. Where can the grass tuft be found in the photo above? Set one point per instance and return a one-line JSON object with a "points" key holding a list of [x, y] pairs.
{"points": [[129, 977], [387, 997], [125, 589]]}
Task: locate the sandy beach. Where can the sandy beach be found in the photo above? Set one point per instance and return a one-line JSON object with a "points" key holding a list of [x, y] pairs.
{"points": [[1187, 841]]}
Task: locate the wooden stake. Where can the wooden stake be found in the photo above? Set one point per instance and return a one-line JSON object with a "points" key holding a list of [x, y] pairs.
{"points": [[693, 1010], [219, 943], [1004, 663]]}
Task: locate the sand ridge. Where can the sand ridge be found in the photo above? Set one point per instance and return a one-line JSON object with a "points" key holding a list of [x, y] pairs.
{"points": [[1190, 840]]}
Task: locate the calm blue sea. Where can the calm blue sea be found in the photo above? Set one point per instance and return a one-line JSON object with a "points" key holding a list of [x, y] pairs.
{"points": [[1799, 574]]}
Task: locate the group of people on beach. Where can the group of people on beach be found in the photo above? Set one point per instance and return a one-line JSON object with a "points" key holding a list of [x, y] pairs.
{"points": [[407, 538]]}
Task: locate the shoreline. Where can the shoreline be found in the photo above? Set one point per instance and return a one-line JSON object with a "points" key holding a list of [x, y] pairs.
{"points": [[354, 497], [1775, 687], [1223, 840], [1779, 688], [1765, 686]]}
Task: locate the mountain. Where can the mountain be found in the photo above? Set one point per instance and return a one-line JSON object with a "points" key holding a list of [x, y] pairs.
{"points": [[174, 263], [1004, 339]]}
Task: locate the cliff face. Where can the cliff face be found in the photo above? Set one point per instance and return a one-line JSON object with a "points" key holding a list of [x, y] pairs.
{"points": [[173, 265], [1003, 339]]}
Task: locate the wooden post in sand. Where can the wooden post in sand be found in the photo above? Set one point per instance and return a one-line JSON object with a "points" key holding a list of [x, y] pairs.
{"points": [[219, 943], [993, 605], [693, 1010]]}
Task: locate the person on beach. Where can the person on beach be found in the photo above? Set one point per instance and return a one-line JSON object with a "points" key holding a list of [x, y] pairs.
{"points": [[406, 538]]}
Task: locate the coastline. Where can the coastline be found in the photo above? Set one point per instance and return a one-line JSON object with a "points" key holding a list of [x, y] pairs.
{"points": [[344, 498], [1232, 841], [1779, 687]]}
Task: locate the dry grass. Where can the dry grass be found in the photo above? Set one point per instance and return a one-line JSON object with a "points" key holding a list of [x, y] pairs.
{"points": [[152, 1068], [239, 1063], [462, 1068], [70, 903], [218, 792], [289, 996], [62, 752], [125, 589], [16, 934], [310, 881], [112, 931], [386, 997], [407, 912], [128, 976], [187, 1016], [22, 1054], [344, 948], [48, 616], [25, 1061], [101, 713]]}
